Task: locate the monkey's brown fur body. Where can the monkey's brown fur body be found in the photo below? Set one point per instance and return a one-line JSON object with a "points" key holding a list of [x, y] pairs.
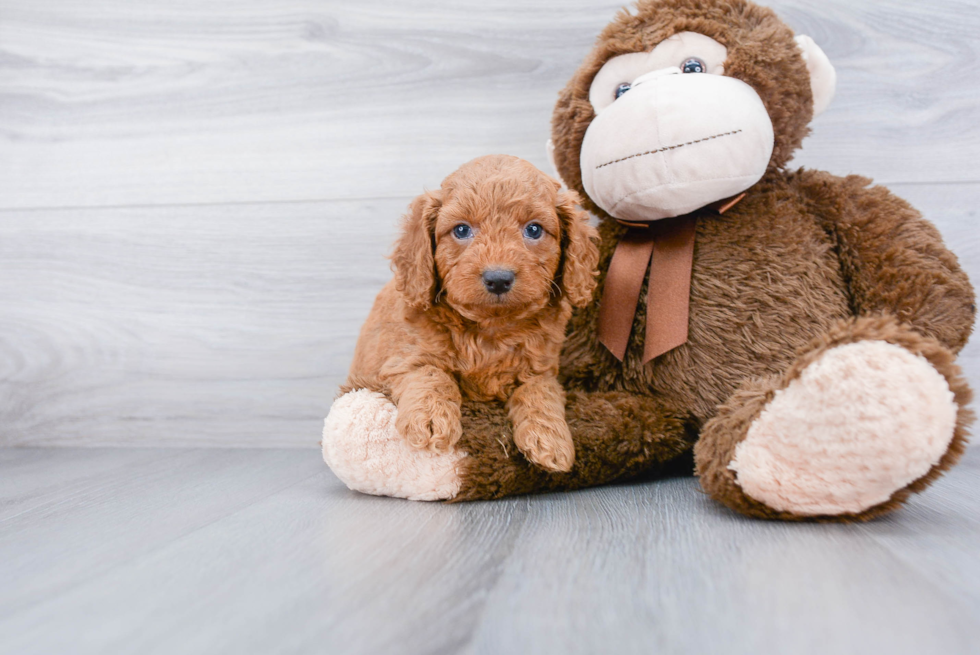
{"points": [[775, 279], [805, 262]]}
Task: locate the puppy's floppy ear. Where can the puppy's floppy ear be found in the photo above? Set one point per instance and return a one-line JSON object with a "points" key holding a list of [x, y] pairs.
{"points": [[412, 259], [580, 255]]}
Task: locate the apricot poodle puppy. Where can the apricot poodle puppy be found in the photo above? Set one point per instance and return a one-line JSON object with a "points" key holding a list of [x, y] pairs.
{"points": [[487, 271]]}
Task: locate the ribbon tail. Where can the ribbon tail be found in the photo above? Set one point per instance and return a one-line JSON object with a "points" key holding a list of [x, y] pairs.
{"points": [[621, 290], [669, 288]]}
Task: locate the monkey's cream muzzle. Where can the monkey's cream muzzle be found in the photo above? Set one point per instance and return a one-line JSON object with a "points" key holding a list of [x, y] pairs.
{"points": [[675, 143]]}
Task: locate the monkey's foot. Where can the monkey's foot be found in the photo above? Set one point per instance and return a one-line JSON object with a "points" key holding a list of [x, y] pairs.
{"points": [[860, 423], [847, 433], [363, 448]]}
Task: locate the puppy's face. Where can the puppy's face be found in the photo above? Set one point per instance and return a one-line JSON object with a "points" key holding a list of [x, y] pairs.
{"points": [[502, 240], [498, 246]]}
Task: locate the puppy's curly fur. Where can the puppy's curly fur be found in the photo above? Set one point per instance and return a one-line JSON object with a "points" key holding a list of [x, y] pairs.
{"points": [[437, 334]]}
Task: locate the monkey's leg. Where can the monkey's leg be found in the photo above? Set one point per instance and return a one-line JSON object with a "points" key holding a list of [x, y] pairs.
{"points": [[616, 435], [872, 412]]}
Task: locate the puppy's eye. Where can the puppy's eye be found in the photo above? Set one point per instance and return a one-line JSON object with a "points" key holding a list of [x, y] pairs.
{"points": [[462, 231], [533, 231], [622, 88], [693, 65]]}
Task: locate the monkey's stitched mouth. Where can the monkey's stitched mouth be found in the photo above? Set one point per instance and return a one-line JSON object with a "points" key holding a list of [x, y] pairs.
{"points": [[666, 148]]}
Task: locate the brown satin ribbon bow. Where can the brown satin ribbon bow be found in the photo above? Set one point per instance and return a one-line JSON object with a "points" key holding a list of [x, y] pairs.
{"points": [[668, 245]]}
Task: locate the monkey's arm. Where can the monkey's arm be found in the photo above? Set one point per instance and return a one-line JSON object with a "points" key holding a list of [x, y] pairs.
{"points": [[617, 435], [893, 260]]}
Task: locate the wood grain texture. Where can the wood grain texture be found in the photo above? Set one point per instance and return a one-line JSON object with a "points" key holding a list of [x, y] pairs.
{"points": [[238, 551], [151, 501], [115, 103], [223, 324]]}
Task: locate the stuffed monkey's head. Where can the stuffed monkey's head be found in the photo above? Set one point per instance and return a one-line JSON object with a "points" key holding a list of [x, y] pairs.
{"points": [[683, 103]]}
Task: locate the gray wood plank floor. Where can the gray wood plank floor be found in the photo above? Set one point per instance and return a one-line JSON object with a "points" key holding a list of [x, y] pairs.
{"points": [[195, 198], [260, 551]]}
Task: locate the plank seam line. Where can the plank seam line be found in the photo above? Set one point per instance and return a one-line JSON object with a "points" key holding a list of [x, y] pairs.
{"points": [[223, 203]]}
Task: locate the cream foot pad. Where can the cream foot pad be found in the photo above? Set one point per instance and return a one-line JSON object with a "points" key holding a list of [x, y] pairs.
{"points": [[364, 450], [857, 425]]}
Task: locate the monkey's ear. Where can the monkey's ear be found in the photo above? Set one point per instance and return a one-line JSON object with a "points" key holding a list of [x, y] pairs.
{"points": [[412, 260], [823, 77], [580, 254]]}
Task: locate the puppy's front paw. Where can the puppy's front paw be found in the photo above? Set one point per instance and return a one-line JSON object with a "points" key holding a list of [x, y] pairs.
{"points": [[546, 443], [433, 425]]}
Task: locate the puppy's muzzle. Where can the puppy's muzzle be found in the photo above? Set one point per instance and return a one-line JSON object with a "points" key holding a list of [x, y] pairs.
{"points": [[498, 281]]}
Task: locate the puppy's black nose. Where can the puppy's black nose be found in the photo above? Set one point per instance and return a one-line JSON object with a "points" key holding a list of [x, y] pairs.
{"points": [[498, 281]]}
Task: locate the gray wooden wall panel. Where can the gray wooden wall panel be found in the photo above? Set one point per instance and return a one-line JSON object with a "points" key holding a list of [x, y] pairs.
{"points": [[120, 103], [221, 324], [195, 199]]}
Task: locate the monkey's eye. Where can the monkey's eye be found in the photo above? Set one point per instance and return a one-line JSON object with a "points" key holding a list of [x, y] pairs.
{"points": [[462, 231], [693, 65], [533, 231], [622, 88]]}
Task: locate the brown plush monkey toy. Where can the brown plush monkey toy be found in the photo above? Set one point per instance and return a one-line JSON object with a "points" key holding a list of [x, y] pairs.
{"points": [[796, 330]]}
